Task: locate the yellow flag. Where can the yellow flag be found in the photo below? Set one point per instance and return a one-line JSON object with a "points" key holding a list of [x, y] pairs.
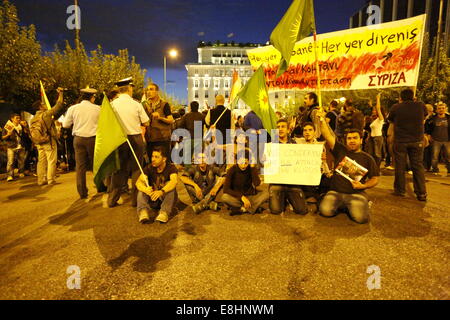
{"points": [[44, 96]]}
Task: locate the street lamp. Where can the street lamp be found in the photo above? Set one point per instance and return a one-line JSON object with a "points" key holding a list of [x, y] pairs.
{"points": [[173, 53]]}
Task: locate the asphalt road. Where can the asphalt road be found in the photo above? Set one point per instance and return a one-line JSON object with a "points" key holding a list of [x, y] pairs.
{"points": [[45, 230]]}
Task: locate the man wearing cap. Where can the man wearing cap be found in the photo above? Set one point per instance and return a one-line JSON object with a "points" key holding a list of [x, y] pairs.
{"points": [[160, 130], [84, 118], [132, 116]]}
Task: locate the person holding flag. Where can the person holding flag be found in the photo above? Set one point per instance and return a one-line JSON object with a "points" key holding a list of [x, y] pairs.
{"points": [[131, 116], [44, 136]]}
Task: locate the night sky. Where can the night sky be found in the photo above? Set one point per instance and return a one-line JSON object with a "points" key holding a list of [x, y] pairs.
{"points": [[149, 28]]}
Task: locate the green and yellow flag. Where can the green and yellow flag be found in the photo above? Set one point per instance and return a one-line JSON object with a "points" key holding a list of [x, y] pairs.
{"points": [[110, 135], [297, 23], [255, 95], [44, 98]]}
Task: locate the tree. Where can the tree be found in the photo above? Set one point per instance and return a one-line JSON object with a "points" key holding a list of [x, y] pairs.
{"points": [[20, 59], [433, 84]]}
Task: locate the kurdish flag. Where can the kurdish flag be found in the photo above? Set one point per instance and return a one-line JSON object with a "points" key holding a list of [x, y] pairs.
{"points": [[44, 98], [110, 135], [255, 95], [297, 23]]}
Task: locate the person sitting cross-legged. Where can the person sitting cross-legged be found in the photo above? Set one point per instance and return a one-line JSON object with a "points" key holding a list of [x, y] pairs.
{"points": [[203, 182], [343, 192], [160, 194], [281, 193], [240, 186]]}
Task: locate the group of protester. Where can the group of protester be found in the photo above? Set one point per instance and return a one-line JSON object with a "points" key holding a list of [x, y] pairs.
{"points": [[211, 174]]}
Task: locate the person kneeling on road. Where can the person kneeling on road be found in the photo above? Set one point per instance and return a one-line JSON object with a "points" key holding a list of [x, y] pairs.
{"points": [[343, 192], [160, 193]]}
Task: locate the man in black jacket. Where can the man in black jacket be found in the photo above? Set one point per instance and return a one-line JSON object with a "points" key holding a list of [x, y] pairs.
{"points": [[192, 121], [438, 130], [223, 117]]}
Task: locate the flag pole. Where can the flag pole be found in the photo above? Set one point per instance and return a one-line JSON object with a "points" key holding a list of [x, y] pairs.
{"points": [[319, 94], [129, 144]]}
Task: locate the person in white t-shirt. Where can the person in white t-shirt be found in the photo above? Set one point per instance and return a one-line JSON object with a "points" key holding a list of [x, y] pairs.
{"points": [[375, 140]]}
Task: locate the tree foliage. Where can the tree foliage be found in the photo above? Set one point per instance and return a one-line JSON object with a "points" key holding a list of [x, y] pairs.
{"points": [[20, 58], [22, 65]]}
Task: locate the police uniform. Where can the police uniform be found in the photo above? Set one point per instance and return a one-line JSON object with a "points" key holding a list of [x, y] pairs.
{"points": [[84, 118], [132, 115]]}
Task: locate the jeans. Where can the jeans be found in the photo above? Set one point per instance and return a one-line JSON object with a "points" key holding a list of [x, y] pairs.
{"points": [[375, 147], [166, 204], [46, 167], [128, 165], [256, 200], [21, 155], [437, 146], [207, 197], [356, 203], [413, 150], [280, 193], [84, 158]]}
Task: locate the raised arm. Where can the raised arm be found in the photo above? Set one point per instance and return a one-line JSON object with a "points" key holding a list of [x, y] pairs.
{"points": [[325, 129], [378, 107]]}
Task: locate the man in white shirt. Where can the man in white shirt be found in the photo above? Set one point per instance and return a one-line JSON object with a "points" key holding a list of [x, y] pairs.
{"points": [[132, 116], [84, 118]]}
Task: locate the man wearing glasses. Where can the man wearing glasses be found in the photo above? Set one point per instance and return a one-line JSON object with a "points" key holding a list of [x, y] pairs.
{"points": [[84, 118]]}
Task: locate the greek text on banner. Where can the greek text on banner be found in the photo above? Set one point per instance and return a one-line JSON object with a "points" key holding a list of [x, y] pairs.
{"points": [[378, 56]]}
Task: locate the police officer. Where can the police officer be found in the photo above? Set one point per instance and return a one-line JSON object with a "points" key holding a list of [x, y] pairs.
{"points": [[84, 118], [132, 116]]}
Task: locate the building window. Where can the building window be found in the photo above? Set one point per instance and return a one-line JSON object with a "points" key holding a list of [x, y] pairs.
{"points": [[206, 82], [227, 83], [226, 94], [195, 83], [196, 94], [216, 83], [276, 95], [206, 94]]}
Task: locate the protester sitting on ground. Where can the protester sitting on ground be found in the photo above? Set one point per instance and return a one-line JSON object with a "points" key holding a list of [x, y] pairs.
{"points": [[282, 193], [203, 182], [348, 193], [12, 134], [240, 191], [314, 193], [160, 194]]}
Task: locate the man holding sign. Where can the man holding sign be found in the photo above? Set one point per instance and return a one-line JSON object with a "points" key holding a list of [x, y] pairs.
{"points": [[355, 172]]}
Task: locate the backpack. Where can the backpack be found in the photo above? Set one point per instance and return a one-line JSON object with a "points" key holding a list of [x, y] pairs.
{"points": [[38, 130]]}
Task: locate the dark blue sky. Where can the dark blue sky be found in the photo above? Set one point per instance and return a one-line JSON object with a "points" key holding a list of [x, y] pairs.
{"points": [[148, 28]]}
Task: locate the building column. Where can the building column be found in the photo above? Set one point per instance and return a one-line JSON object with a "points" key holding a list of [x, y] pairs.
{"points": [[394, 9], [427, 23], [447, 28], [360, 16], [350, 23], [382, 11], [410, 8]]}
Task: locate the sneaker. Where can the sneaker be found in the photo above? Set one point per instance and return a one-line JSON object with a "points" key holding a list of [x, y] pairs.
{"points": [[422, 198], [235, 212], [213, 205], [162, 217], [21, 175], [410, 172], [389, 168], [9, 179], [144, 216], [197, 208], [398, 194]]}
